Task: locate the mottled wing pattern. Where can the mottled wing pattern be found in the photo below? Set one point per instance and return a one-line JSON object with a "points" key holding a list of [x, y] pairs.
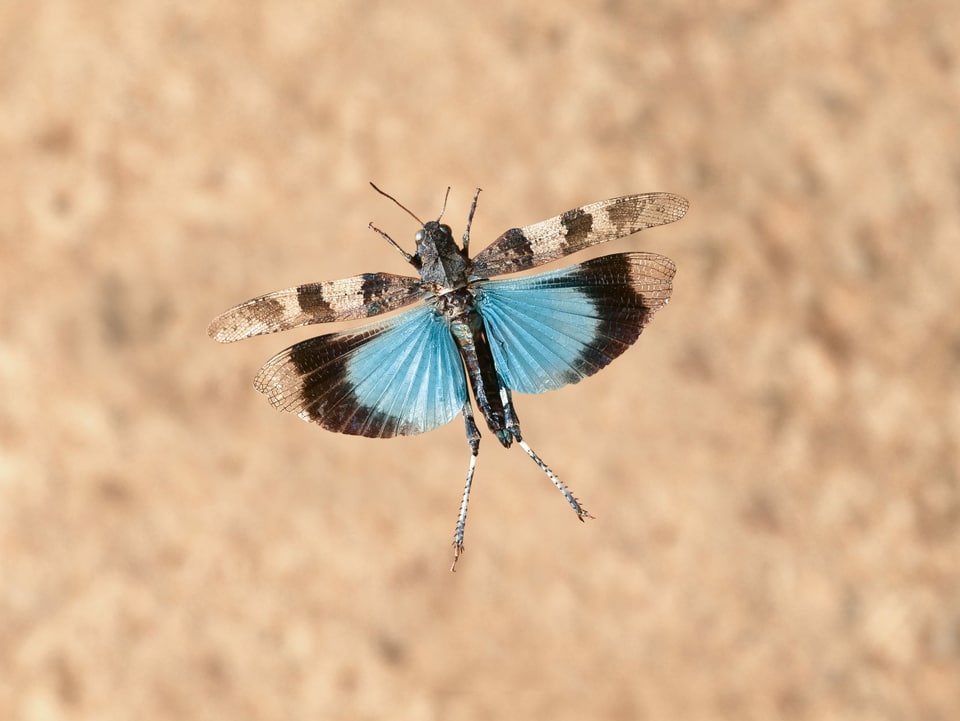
{"points": [[361, 296], [399, 377], [523, 248], [556, 328]]}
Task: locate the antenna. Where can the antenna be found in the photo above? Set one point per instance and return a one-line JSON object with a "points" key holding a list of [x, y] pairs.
{"points": [[399, 204], [444, 208]]}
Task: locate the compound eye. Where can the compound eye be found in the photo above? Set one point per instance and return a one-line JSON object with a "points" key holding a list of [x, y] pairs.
{"points": [[445, 228], [419, 236]]}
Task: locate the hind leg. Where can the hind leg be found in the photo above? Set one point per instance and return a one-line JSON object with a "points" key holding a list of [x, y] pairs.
{"points": [[473, 438], [513, 425]]}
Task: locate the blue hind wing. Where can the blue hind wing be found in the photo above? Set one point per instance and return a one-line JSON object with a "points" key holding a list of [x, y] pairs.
{"points": [[556, 328], [398, 377]]}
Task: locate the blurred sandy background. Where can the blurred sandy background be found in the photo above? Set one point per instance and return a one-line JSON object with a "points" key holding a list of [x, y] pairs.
{"points": [[773, 468]]}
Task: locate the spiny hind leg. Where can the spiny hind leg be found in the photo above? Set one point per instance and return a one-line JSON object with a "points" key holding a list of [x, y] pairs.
{"points": [[473, 438], [581, 512], [513, 424]]}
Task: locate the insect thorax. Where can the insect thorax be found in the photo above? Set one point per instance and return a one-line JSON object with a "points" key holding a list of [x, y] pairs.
{"points": [[442, 262]]}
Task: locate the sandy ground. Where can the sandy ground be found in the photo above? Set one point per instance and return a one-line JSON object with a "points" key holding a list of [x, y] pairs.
{"points": [[773, 468]]}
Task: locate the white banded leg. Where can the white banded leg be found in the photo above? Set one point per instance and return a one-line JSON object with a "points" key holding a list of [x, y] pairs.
{"points": [[513, 423], [581, 512], [473, 438]]}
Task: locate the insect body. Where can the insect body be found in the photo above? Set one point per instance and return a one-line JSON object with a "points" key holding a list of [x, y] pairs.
{"points": [[409, 373]]}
